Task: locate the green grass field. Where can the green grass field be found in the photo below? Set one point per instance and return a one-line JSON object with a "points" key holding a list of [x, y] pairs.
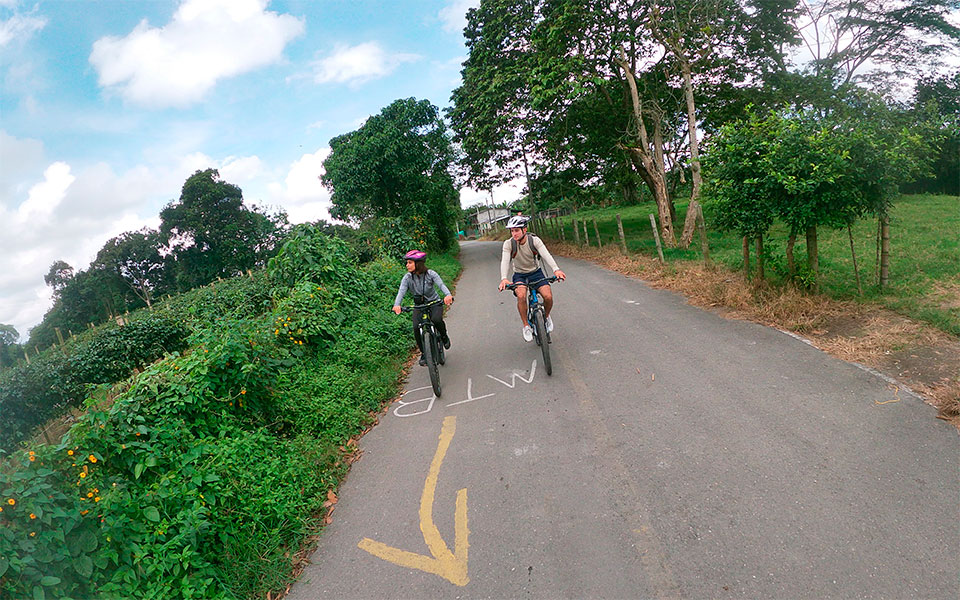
{"points": [[924, 261]]}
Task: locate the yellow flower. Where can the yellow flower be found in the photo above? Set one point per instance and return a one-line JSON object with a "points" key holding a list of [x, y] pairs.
{"points": [[89, 494], [1, 509], [33, 533], [33, 516], [92, 458], [97, 499], [11, 501], [32, 458], [82, 475], [69, 452]]}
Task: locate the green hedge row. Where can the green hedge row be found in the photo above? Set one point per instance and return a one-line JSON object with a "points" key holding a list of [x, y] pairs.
{"points": [[202, 479], [31, 394]]}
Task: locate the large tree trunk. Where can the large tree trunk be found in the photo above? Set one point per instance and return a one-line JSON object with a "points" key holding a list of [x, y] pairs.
{"points": [[693, 210], [813, 259], [660, 162], [645, 163]]}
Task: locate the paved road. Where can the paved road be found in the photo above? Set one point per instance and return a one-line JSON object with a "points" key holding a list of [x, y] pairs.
{"points": [[673, 453]]}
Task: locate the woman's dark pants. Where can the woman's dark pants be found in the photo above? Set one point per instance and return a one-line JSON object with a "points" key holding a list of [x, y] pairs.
{"points": [[436, 315]]}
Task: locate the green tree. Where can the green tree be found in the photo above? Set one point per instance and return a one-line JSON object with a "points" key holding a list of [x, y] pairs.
{"points": [[807, 171], [397, 165], [9, 336], [937, 99], [58, 276], [134, 258], [210, 232], [896, 39]]}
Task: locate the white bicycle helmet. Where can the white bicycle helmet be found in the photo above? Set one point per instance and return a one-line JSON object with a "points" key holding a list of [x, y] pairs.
{"points": [[517, 221]]}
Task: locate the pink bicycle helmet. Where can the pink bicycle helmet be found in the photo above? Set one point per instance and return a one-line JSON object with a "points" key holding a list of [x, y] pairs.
{"points": [[415, 255]]}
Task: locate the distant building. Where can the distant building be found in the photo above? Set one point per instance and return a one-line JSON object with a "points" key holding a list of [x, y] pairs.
{"points": [[483, 220]]}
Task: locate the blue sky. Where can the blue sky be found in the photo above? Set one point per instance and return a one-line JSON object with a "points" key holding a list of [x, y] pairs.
{"points": [[106, 107]]}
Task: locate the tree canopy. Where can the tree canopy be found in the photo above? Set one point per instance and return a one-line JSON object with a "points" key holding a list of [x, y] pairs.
{"points": [[397, 165]]}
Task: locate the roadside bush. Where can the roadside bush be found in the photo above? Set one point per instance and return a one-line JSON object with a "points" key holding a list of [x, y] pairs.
{"points": [[33, 393], [200, 478]]}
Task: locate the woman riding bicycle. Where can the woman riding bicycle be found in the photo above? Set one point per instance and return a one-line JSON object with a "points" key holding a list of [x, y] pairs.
{"points": [[421, 282], [523, 250]]}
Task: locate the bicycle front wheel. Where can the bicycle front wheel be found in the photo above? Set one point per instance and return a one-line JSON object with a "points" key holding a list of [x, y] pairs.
{"points": [[430, 355], [541, 329]]}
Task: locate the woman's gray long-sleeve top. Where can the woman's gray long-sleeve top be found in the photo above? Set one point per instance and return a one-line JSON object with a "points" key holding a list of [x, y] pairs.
{"points": [[421, 285]]}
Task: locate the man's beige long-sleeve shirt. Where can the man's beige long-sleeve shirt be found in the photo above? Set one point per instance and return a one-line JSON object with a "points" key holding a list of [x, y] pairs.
{"points": [[525, 261]]}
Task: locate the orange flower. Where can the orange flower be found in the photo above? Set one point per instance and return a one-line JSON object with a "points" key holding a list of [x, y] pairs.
{"points": [[32, 458], [89, 494], [33, 516], [33, 533], [92, 458], [83, 512], [243, 391], [97, 499]]}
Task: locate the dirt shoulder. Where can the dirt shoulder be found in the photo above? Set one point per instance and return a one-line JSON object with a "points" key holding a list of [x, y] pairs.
{"points": [[918, 355]]}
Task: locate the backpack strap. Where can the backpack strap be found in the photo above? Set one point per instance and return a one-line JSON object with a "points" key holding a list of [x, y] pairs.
{"points": [[514, 247]]}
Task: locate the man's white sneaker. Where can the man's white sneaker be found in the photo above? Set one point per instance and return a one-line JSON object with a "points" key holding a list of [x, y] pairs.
{"points": [[549, 325], [527, 333]]}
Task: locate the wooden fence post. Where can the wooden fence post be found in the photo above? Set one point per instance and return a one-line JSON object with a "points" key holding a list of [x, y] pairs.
{"points": [[597, 232], [563, 234], [623, 240], [576, 231], [656, 236], [586, 236]]}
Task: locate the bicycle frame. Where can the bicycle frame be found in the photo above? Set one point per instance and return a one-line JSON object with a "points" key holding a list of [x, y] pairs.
{"points": [[537, 315], [432, 348]]}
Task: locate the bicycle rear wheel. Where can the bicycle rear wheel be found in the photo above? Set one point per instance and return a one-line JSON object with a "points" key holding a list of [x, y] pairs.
{"points": [[541, 329], [430, 354]]}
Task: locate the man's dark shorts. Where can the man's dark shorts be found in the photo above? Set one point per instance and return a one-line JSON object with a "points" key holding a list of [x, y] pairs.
{"points": [[528, 277]]}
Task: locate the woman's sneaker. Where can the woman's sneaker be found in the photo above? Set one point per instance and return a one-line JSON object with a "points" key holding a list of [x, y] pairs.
{"points": [[446, 343], [527, 333], [549, 324]]}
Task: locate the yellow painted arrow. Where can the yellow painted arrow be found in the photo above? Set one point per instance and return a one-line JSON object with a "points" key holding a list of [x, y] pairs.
{"points": [[452, 566]]}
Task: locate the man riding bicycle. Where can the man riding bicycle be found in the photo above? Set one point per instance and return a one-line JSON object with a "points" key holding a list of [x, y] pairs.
{"points": [[523, 250]]}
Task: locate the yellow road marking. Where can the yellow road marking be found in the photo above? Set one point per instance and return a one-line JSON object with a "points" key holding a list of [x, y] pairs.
{"points": [[452, 566]]}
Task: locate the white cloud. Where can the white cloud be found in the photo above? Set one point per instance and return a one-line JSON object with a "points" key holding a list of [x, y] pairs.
{"points": [[301, 193], [19, 27], [207, 40], [240, 169], [359, 63], [45, 196], [454, 15]]}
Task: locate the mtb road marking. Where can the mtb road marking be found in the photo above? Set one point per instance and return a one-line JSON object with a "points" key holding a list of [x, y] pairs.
{"points": [[452, 566]]}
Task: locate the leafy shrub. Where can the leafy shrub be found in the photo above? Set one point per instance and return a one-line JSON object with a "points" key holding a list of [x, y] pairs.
{"points": [[199, 479]]}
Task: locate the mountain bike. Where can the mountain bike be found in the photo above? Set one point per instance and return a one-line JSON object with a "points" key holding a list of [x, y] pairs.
{"points": [[537, 318], [432, 346]]}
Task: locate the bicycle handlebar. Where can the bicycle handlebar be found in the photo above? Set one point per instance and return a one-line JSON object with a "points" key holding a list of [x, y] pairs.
{"points": [[513, 286], [415, 306]]}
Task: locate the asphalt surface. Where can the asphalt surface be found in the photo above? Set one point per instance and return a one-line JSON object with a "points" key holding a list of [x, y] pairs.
{"points": [[672, 454]]}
